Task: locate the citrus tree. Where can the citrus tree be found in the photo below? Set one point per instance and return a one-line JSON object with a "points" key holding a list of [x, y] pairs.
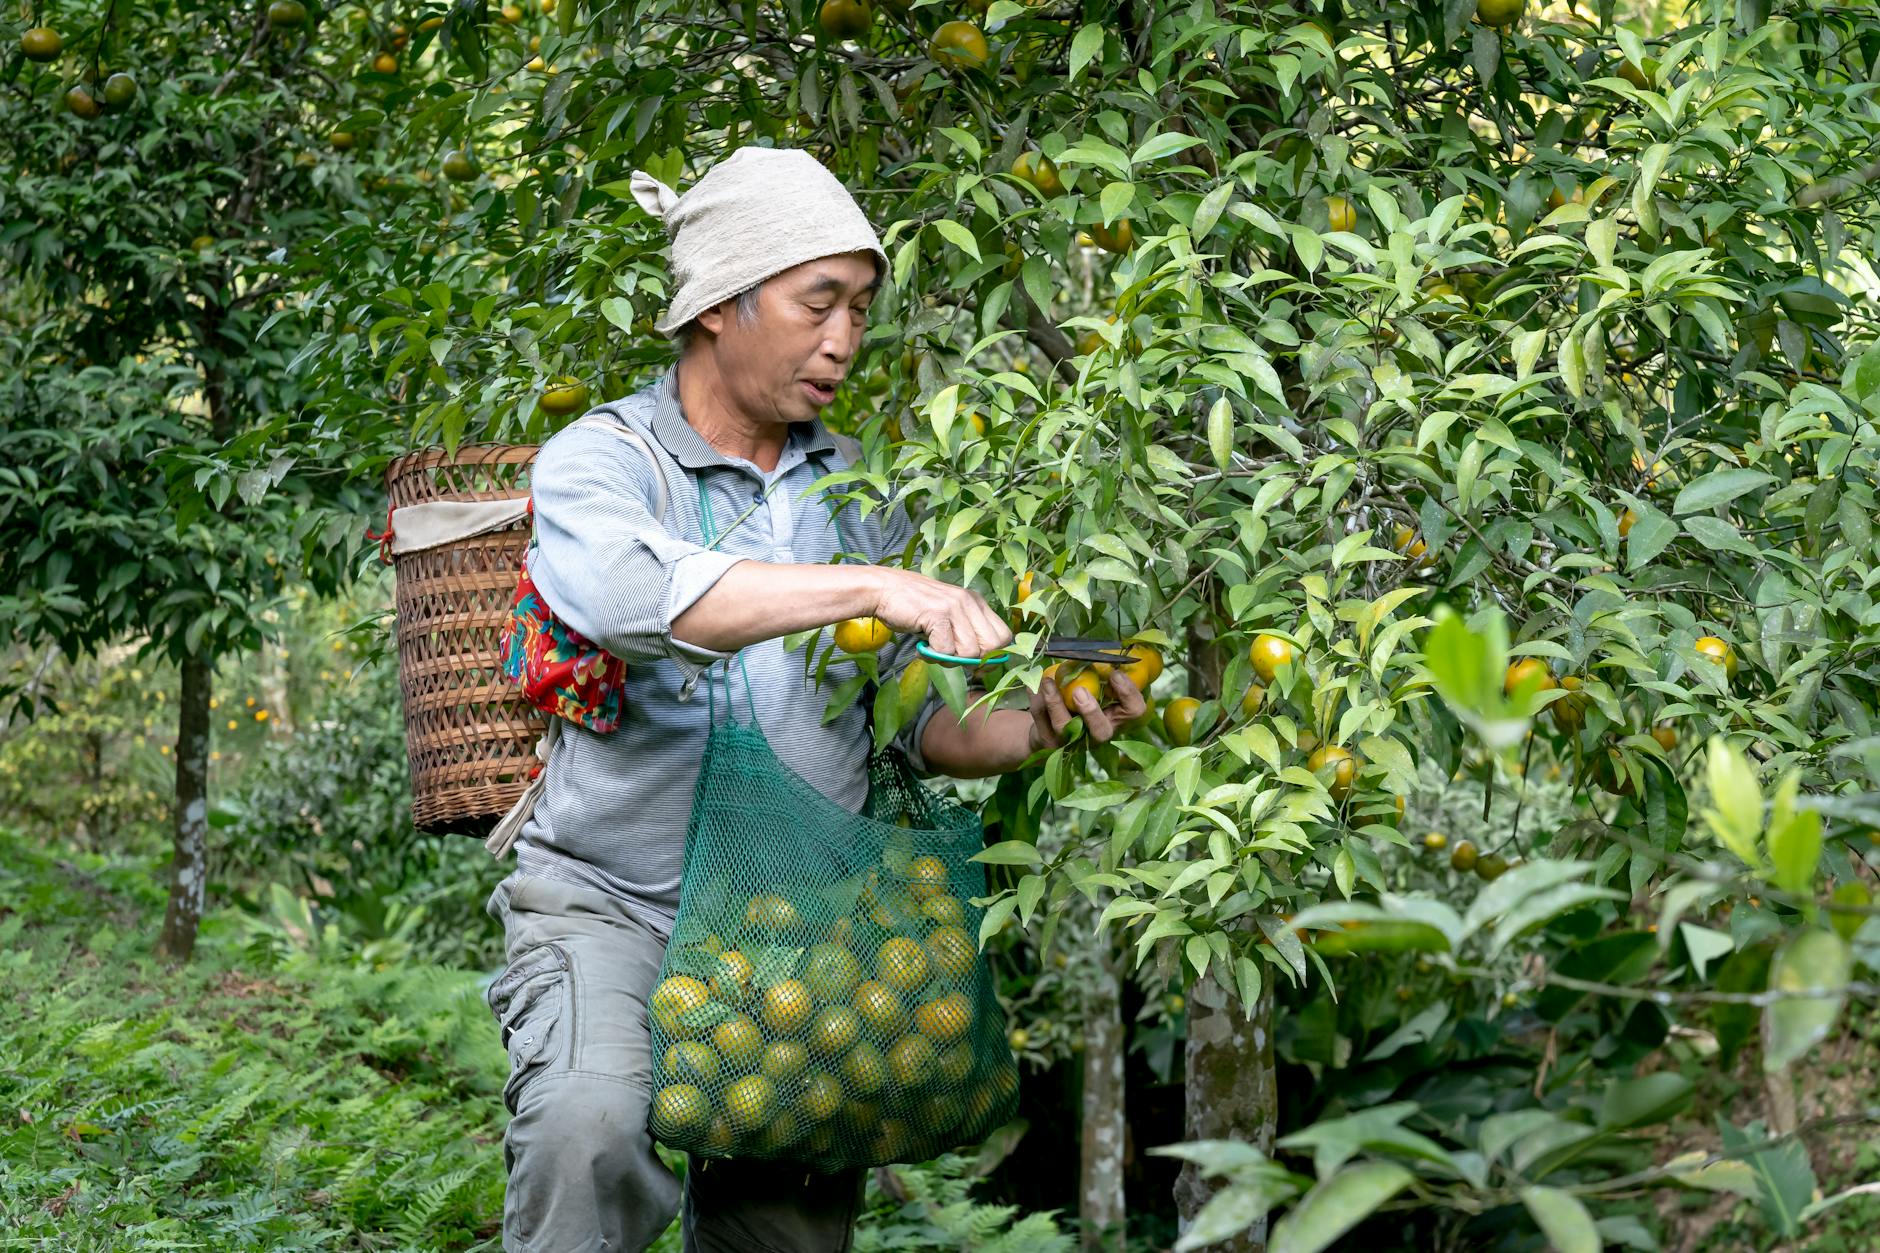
{"points": [[1425, 388], [161, 167]]}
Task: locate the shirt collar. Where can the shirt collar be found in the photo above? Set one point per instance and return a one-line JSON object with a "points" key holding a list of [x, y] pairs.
{"points": [[691, 450]]}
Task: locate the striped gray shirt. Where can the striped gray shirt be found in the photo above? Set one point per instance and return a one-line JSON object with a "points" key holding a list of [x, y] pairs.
{"points": [[615, 807]]}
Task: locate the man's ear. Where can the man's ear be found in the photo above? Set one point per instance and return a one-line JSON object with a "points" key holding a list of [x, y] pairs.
{"points": [[713, 319]]}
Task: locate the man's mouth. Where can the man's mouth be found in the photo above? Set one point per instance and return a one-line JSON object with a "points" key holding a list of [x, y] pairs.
{"points": [[822, 391]]}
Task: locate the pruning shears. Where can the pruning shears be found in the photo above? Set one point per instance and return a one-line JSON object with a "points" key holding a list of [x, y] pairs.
{"points": [[1063, 647]]}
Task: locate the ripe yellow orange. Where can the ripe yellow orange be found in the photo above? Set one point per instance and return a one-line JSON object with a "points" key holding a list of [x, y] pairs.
{"points": [[1501, 13], [910, 1060], [1024, 586], [952, 952], [822, 1096], [1666, 735], [385, 63], [862, 635], [902, 964], [1340, 214], [692, 1061], [1435, 841], [945, 1018], [1719, 652], [927, 878], [845, 19], [1569, 712], [880, 1008], [679, 1107], [784, 1060], [831, 972], [1344, 768], [1268, 653], [564, 395], [1147, 667], [1528, 670], [674, 998], [864, 1069], [836, 1027], [1627, 521], [1040, 171], [1084, 677], [944, 910], [773, 913], [786, 1006], [750, 1102], [1119, 236], [732, 979], [738, 1040], [1252, 699], [960, 45], [1178, 720]]}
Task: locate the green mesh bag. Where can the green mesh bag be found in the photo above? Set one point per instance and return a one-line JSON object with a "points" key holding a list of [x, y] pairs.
{"points": [[823, 998]]}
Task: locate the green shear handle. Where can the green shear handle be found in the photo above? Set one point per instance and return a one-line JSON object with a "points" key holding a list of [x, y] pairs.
{"points": [[1064, 647]]}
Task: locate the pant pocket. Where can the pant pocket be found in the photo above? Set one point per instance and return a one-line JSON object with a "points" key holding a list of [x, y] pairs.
{"points": [[533, 1000]]}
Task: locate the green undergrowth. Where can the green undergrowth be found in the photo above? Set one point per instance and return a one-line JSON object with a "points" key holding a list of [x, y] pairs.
{"points": [[224, 1106], [290, 1091]]}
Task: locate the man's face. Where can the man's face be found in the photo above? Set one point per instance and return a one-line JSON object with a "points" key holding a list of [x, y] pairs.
{"points": [[785, 365]]}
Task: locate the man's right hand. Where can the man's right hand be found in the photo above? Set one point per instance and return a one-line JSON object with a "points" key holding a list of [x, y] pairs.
{"points": [[955, 620]]}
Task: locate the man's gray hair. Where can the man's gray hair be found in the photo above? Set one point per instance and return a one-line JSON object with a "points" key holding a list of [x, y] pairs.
{"points": [[746, 313]]}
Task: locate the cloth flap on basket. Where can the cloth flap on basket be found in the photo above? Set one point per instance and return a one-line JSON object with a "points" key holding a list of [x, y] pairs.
{"points": [[435, 523]]}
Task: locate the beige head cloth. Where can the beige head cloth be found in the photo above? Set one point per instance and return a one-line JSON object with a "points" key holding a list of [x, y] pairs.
{"points": [[752, 216]]}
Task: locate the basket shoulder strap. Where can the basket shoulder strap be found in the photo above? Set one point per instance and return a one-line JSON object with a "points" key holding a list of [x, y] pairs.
{"points": [[633, 437]]}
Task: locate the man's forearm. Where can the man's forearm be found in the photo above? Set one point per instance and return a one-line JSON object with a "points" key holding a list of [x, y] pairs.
{"points": [[761, 600], [989, 741]]}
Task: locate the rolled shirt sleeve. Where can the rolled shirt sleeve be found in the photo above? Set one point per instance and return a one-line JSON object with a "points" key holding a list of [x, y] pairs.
{"points": [[604, 563]]}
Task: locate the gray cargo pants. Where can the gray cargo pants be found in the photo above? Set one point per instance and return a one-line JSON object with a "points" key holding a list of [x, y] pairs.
{"points": [[583, 1174]]}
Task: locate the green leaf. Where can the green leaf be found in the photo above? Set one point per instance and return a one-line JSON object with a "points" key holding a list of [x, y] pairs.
{"points": [[1115, 199], [1562, 1219], [1736, 811], [1085, 47], [1009, 853], [1719, 487], [1642, 1101], [1159, 146], [1813, 963], [1336, 1206], [959, 237], [1794, 838], [1785, 1182], [1221, 433], [1651, 534]]}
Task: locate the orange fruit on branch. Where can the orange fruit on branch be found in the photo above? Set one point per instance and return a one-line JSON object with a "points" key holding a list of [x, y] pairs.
{"points": [[862, 635], [1340, 215], [43, 44], [1178, 720], [1528, 670], [960, 45], [1343, 765], [1268, 653], [1040, 171], [564, 396], [845, 19], [1718, 652]]}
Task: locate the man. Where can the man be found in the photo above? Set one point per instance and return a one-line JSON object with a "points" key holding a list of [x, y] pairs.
{"points": [[774, 267]]}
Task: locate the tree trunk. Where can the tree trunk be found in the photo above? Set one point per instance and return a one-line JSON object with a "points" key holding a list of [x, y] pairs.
{"points": [[1230, 1092], [1100, 1177], [189, 865]]}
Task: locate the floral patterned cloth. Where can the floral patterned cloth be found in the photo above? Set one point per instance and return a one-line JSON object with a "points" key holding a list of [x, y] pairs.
{"points": [[561, 671]]}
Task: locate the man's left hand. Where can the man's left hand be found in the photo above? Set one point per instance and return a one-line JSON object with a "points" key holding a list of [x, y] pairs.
{"points": [[1050, 715]]}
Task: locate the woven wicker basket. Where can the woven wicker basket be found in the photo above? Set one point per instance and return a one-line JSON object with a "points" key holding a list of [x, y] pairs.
{"points": [[470, 735]]}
